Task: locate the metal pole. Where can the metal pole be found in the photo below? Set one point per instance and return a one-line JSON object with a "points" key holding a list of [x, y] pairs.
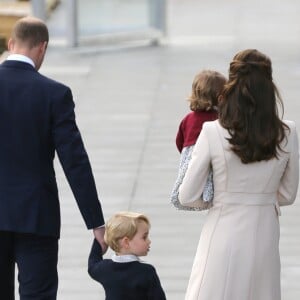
{"points": [[72, 23], [39, 9], [158, 15]]}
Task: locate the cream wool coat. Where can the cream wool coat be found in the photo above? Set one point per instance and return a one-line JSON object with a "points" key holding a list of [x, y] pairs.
{"points": [[238, 252]]}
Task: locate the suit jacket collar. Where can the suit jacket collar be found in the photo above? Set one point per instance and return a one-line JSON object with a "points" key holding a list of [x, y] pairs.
{"points": [[20, 57], [17, 64]]}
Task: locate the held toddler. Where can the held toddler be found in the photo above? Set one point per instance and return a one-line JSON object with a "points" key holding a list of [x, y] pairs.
{"points": [[206, 93]]}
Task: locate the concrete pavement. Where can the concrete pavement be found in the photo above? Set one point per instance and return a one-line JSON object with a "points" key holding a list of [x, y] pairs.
{"points": [[129, 103]]}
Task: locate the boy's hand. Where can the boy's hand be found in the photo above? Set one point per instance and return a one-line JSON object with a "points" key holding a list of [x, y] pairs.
{"points": [[99, 236]]}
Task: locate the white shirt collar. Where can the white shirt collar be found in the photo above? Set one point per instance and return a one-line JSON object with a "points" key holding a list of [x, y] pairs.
{"points": [[124, 258], [22, 58]]}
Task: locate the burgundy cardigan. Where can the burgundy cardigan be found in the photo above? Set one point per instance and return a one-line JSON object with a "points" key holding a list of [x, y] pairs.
{"points": [[190, 127]]}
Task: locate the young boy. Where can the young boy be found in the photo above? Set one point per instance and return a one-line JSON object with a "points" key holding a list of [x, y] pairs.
{"points": [[124, 276]]}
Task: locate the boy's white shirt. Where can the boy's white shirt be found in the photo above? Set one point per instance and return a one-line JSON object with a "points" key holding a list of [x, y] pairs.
{"points": [[124, 258]]}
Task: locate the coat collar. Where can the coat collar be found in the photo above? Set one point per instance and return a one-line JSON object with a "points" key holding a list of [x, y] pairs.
{"points": [[17, 64], [20, 57]]}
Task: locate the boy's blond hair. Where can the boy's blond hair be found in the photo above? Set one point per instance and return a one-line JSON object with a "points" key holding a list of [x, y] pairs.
{"points": [[207, 87], [122, 224]]}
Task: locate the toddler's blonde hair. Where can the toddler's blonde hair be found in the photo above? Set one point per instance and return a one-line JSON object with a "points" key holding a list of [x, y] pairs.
{"points": [[120, 225]]}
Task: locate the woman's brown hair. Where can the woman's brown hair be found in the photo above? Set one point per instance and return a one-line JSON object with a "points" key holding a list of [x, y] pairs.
{"points": [[249, 108]]}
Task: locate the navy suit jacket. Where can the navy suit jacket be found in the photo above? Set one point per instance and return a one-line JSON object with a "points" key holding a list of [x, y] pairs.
{"points": [[36, 119]]}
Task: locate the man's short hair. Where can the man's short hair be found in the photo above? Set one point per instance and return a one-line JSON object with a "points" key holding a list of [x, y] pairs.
{"points": [[31, 31]]}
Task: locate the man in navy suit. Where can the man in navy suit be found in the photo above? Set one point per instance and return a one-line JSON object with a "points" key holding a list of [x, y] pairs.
{"points": [[36, 119]]}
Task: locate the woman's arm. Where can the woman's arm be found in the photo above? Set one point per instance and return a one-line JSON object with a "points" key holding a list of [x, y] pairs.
{"points": [[196, 175], [289, 182]]}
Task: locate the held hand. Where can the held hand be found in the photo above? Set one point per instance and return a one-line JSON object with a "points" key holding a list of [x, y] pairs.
{"points": [[99, 236]]}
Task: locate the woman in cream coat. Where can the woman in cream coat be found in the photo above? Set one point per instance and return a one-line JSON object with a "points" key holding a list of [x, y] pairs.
{"points": [[254, 157]]}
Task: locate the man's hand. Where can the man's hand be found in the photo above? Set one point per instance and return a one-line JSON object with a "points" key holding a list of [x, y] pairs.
{"points": [[99, 236]]}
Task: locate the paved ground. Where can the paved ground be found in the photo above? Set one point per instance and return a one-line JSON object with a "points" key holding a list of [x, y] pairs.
{"points": [[129, 104]]}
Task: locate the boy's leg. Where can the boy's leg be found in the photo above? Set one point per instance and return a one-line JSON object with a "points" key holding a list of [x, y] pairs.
{"points": [[7, 266], [36, 257]]}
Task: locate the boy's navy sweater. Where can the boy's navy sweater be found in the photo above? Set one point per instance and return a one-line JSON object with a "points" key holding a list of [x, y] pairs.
{"points": [[124, 281]]}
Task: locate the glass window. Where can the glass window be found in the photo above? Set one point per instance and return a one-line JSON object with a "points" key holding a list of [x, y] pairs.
{"points": [[111, 16]]}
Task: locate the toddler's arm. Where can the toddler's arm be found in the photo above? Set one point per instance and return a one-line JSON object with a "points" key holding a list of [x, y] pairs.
{"points": [[95, 258]]}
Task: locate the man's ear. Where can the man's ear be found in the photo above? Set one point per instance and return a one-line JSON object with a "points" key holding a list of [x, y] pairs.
{"points": [[10, 44], [43, 47]]}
